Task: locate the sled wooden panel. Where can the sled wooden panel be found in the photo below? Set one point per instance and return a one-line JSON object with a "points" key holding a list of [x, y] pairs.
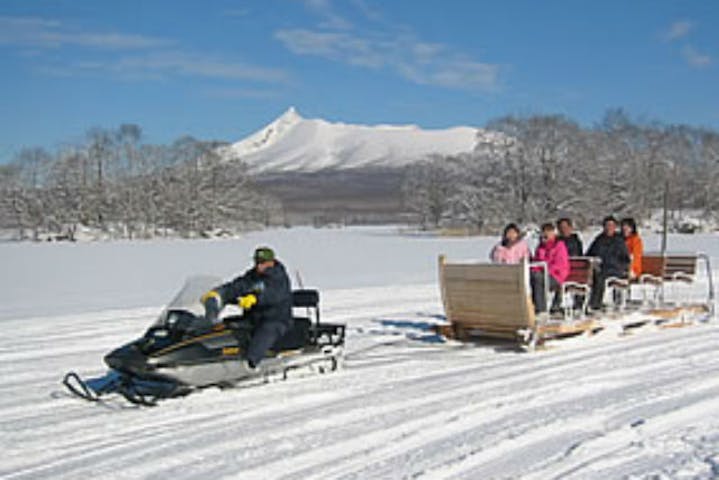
{"points": [[559, 329], [491, 298]]}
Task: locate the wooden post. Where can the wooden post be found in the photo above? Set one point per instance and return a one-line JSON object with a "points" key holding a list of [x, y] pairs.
{"points": [[665, 216], [442, 260]]}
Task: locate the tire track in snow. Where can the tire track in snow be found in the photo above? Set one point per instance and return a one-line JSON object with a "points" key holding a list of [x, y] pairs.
{"points": [[436, 376], [449, 424], [213, 433]]}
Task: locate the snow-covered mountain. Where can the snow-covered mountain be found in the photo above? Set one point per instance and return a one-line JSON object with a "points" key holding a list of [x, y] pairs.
{"points": [[292, 143]]}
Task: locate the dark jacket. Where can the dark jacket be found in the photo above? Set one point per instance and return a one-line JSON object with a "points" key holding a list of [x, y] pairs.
{"points": [[573, 244], [272, 289], [613, 252]]}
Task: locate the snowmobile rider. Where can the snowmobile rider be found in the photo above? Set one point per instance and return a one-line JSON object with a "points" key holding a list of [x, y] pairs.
{"points": [[264, 293]]}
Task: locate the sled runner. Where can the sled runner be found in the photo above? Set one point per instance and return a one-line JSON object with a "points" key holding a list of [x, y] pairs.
{"points": [[182, 352]]}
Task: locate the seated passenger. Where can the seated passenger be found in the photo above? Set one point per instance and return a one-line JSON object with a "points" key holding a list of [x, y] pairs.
{"points": [[634, 244], [571, 240], [553, 252], [264, 293], [610, 248], [512, 248]]}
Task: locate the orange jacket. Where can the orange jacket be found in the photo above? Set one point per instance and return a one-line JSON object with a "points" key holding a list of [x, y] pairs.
{"points": [[636, 250]]}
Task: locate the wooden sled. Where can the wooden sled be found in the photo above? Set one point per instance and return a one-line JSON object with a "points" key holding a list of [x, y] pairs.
{"points": [[493, 301], [484, 300]]}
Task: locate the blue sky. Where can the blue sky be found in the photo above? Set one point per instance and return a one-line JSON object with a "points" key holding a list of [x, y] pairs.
{"points": [[222, 69]]}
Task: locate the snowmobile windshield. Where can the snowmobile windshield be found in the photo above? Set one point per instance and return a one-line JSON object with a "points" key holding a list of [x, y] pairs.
{"points": [[188, 298]]}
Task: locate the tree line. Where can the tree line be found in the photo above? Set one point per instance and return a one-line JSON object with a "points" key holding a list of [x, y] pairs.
{"points": [[116, 185], [549, 166]]}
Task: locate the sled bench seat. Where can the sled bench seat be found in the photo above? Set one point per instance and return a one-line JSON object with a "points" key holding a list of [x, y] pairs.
{"points": [[658, 268], [661, 269], [579, 282]]}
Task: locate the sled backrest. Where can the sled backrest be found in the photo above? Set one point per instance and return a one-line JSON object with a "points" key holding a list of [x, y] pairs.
{"points": [[310, 301], [685, 264], [581, 270], [653, 265], [492, 298], [670, 266]]}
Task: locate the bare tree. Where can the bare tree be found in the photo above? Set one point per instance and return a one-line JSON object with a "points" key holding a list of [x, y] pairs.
{"points": [[428, 190], [546, 166]]}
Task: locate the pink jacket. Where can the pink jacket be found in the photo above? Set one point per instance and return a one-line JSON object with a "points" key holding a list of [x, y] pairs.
{"points": [[555, 254], [512, 254]]}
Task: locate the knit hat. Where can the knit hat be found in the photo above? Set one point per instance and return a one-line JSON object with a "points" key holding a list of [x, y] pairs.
{"points": [[264, 254]]}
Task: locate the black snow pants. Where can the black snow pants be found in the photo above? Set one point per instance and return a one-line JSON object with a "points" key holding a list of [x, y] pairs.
{"points": [[263, 338], [536, 280]]}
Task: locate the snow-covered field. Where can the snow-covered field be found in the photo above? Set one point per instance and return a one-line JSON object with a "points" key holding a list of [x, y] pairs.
{"points": [[406, 405]]}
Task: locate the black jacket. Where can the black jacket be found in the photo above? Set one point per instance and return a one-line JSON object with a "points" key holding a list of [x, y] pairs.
{"points": [[573, 244], [613, 252], [272, 289]]}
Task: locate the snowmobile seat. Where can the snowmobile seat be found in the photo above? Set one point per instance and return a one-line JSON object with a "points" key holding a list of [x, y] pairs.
{"points": [[305, 298], [320, 333], [295, 338]]}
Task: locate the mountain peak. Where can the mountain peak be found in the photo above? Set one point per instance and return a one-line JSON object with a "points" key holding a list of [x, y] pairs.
{"points": [[293, 143], [290, 115], [268, 136], [284, 122]]}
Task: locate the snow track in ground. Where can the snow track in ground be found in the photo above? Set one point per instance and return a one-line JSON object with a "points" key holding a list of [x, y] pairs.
{"points": [[406, 406]]}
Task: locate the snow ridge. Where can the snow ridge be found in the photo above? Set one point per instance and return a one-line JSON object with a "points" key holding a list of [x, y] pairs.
{"points": [[292, 143]]}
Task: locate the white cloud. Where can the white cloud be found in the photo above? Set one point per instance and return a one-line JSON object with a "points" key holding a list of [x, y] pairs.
{"points": [[331, 20], [368, 12], [125, 56], [678, 30], [695, 58], [191, 64], [417, 61], [164, 64], [334, 46], [43, 33], [460, 74]]}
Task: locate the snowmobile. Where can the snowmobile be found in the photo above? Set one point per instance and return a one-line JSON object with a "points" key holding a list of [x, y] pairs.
{"points": [[182, 351]]}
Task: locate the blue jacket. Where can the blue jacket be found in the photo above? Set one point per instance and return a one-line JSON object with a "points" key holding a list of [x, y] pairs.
{"points": [[272, 289]]}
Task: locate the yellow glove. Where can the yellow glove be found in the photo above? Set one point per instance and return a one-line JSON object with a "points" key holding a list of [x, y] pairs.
{"points": [[209, 295], [212, 301], [247, 302]]}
